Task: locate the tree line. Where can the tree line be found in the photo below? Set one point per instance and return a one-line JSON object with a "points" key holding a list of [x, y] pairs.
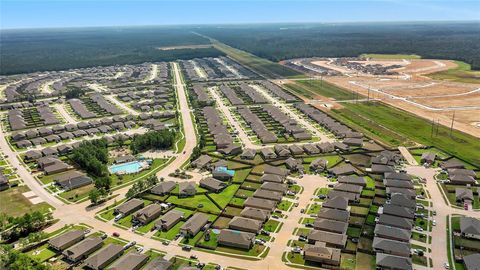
{"points": [[92, 156], [163, 139]]}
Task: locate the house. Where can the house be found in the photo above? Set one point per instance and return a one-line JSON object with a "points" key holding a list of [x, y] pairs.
{"points": [[245, 224], [148, 213], [49, 151], [159, 263], [311, 149], [319, 252], [57, 167], [470, 227], [83, 249], [212, 184], [334, 214], [318, 165], [296, 150], [339, 203], [348, 188], [276, 187], [380, 168], [344, 169], [268, 153], [201, 162], [392, 247], [255, 213], [170, 219], [33, 154], [395, 210], [387, 158], [461, 172], [248, 154], [463, 195], [391, 262], [294, 165], [194, 224], [394, 221], [260, 203], [186, 189], [269, 169], [461, 179], [397, 176], [4, 183], [409, 193], [66, 240], [104, 257], [472, 261], [328, 225], [269, 195], [72, 180], [357, 142], [131, 261], [223, 173], [402, 200], [452, 164], [334, 240], [428, 158], [351, 197], [353, 180], [271, 178], [398, 183], [237, 239], [129, 207], [392, 233], [163, 188]]}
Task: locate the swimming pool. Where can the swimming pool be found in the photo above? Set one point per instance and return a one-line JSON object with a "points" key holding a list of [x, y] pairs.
{"points": [[225, 170], [128, 167]]}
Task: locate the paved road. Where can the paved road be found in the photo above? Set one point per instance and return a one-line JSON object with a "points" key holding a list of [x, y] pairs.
{"points": [[63, 112], [406, 154], [122, 105], [438, 234]]}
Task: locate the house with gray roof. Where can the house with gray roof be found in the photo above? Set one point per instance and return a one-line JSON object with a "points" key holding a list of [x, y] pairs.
{"points": [[237, 239], [333, 240], [72, 180], [329, 225], [66, 240], [391, 262], [104, 257], [260, 203], [159, 263], [276, 187], [392, 233], [186, 189], [245, 224], [129, 207], [472, 261], [163, 188], [338, 202], [81, 250], [212, 184], [131, 261], [392, 247], [395, 221], [352, 180], [255, 213], [334, 214], [272, 178], [463, 195], [319, 252], [194, 224], [168, 220], [345, 169], [267, 194], [148, 213], [470, 227]]}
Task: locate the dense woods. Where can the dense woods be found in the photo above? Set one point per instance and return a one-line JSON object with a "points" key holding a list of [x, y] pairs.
{"points": [[92, 156], [26, 51], [277, 42], [152, 140]]}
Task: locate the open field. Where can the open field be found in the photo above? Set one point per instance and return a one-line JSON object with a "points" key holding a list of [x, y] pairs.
{"points": [[259, 65], [408, 88], [398, 127], [462, 73]]}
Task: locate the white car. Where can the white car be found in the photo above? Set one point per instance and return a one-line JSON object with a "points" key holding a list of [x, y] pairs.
{"points": [[446, 265], [418, 228], [434, 222]]}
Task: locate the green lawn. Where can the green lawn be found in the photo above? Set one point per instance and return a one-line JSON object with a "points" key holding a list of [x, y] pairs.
{"points": [[240, 175], [42, 253], [312, 88], [284, 205], [170, 234], [461, 73], [365, 261], [195, 202], [397, 127], [347, 261], [271, 225], [225, 196], [13, 203]]}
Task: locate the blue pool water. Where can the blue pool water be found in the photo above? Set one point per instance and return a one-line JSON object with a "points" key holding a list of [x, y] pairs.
{"points": [[129, 167], [224, 169]]}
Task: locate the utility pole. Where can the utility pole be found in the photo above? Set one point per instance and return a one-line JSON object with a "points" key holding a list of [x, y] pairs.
{"points": [[368, 95], [451, 127]]}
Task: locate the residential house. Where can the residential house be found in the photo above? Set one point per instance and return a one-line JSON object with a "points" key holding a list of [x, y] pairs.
{"points": [[104, 257], [148, 213], [194, 224], [237, 239], [66, 240], [81, 250], [170, 219], [319, 252]]}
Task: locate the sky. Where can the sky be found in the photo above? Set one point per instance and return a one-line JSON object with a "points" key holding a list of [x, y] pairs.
{"points": [[75, 13]]}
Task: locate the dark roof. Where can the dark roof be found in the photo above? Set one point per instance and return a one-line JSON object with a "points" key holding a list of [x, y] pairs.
{"points": [[130, 261], [469, 225], [393, 262]]}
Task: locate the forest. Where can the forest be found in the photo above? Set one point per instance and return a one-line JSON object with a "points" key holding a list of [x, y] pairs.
{"points": [[26, 51], [458, 41]]}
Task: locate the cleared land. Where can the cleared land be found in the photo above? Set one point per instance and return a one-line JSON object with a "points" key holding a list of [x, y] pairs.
{"points": [[462, 73], [390, 56]]}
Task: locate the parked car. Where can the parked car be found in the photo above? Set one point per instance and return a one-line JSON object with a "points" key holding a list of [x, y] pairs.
{"points": [[186, 248], [297, 249], [193, 257], [418, 228], [434, 213], [434, 222], [116, 234], [166, 243], [446, 265]]}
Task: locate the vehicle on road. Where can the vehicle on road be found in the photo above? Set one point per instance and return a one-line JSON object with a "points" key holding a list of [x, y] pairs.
{"points": [[193, 257], [186, 248], [446, 265], [116, 234]]}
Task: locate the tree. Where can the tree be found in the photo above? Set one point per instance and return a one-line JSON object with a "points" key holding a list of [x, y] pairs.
{"points": [[94, 196]]}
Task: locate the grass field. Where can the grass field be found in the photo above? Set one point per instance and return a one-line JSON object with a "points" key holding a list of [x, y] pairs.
{"points": [[13, 203], [262, 66], [312, 88], [397, 127], [225, 196], [390, 56], [194, 202], [462, 73]]}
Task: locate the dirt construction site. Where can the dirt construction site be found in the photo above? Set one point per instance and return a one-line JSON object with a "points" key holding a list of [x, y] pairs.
{"points": [[403, 83]]}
